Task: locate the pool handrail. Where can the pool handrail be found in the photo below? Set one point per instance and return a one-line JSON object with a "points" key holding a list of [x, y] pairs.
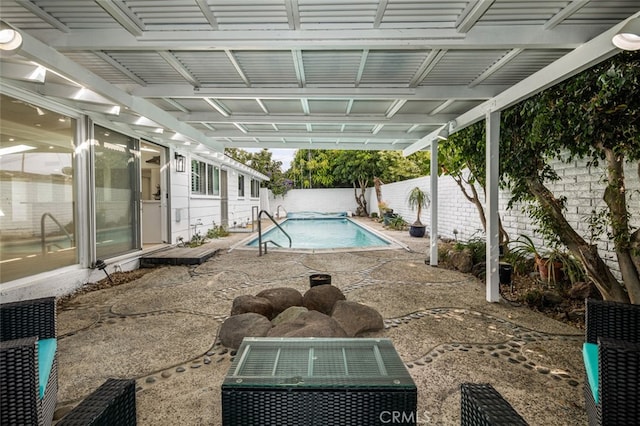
{"points": [[43, 236], [260, 232]]}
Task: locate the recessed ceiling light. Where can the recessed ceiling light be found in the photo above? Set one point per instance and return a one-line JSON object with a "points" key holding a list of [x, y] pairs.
{"points": [[15, 149]]}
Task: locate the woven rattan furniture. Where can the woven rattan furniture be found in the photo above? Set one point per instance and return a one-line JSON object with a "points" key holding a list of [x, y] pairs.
{"points": [[615, 328], [22, 324], [317, 381], [113, 403], [482, 405]]}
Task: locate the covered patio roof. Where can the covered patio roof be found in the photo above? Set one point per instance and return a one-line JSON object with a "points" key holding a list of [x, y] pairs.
{"points": [[359, 74]]}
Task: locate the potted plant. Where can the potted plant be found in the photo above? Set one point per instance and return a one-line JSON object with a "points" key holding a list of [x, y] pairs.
{"points": [[417, 199], [385, 212], [553, 265]]}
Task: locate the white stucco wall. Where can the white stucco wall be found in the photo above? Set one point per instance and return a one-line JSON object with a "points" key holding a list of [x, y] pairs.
{"points": [[316, 200]]}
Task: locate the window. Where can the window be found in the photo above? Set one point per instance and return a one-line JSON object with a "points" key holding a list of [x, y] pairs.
{"points": [[205, 178], [255, 188], [37, 175], [240, 185]]}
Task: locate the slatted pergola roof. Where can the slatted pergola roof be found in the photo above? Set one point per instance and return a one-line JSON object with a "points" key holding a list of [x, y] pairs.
{"points": [[325, 74]]}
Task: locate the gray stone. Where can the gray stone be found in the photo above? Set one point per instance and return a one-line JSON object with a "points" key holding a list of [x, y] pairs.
{"points": [[281, 298], [582, 290], [322, 298], [309, 324], [355, 318], [289, 314], [237, 327], [248, 303], [462, 260], [165, 374]]}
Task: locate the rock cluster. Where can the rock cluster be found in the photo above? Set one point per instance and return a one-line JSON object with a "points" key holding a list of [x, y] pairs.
{"points": [[322, 311]]}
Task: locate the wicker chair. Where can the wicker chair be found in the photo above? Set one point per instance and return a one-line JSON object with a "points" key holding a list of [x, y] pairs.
{"points": [[22, 324], [113, 403], [615, 328], [482, 405]]}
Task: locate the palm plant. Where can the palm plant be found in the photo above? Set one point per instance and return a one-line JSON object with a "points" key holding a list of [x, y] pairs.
{"points": [[418, 199]]}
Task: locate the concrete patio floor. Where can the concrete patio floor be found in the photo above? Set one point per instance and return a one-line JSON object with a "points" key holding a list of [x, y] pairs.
{"points": [[161, 330]]}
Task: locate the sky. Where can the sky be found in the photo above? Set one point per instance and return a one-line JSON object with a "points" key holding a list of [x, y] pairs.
{"points": [[284, 155]]}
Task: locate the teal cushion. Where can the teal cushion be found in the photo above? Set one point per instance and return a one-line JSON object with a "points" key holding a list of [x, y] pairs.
{"points": [[46, 353], [590, 356]]}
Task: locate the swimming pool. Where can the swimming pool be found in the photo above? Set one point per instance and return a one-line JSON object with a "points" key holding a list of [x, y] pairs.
{"points": [[322, 233]]}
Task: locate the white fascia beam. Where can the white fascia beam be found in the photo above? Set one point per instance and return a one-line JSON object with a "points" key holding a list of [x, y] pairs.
{"points": [[298, 64], [293, 14], [363, 63], [42, 14], [511, 55], [118, 66], [408, 119], [54, 60], [313, 144], [24, 72], [473, 12], [179, 67], [244, 133], [207, 13], [123, 16], [579, 59], [367, 93], [237, 67], [422, 143], [563, 14], [382, 8], [427, 65], [78, 94], [480, 37]]}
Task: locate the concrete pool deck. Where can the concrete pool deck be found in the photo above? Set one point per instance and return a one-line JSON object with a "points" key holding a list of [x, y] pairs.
{"points": [[161, 330]]}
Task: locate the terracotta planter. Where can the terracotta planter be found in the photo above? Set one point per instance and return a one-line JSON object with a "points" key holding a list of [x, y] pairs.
{"points": [[544, 269]]}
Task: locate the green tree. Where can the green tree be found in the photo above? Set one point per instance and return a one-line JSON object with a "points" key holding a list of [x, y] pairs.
{"points": [[594, 116], [357, 169], [263, 162], [462, 156]]}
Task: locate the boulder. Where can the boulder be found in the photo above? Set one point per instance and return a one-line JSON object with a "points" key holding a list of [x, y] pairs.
{"points": [[289, 314], [309, 324], [462, 260], [281, 298], [248, 303], [322, 298], [237, 327], [582, 290], [355, 318]]}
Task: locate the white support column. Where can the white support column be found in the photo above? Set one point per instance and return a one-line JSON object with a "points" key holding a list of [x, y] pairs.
{"points": [[433, 255], [491, 206]]}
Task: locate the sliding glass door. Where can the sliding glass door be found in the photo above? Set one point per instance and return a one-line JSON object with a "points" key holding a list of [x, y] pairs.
{"points": [[117, 192]]}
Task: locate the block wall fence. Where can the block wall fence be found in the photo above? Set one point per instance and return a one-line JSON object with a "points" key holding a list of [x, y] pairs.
{"points": [[583, 187]]}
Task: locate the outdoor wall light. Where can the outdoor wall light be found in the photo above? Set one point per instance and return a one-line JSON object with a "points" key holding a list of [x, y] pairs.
{"points": [[443, 134], [10, 39], [180, 163], [628, 38]]}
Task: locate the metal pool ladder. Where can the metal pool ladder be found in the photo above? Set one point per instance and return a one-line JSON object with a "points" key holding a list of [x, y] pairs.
{"points": [[260, 242]]}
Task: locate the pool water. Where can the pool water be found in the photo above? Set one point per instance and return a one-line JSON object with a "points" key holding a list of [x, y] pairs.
{"points": [[322, 234]]}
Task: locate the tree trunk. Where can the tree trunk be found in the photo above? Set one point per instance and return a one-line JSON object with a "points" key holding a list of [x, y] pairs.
{"points": [[377, 184], [503, 235], [615, 197], [595, 267], [360, 198]]}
